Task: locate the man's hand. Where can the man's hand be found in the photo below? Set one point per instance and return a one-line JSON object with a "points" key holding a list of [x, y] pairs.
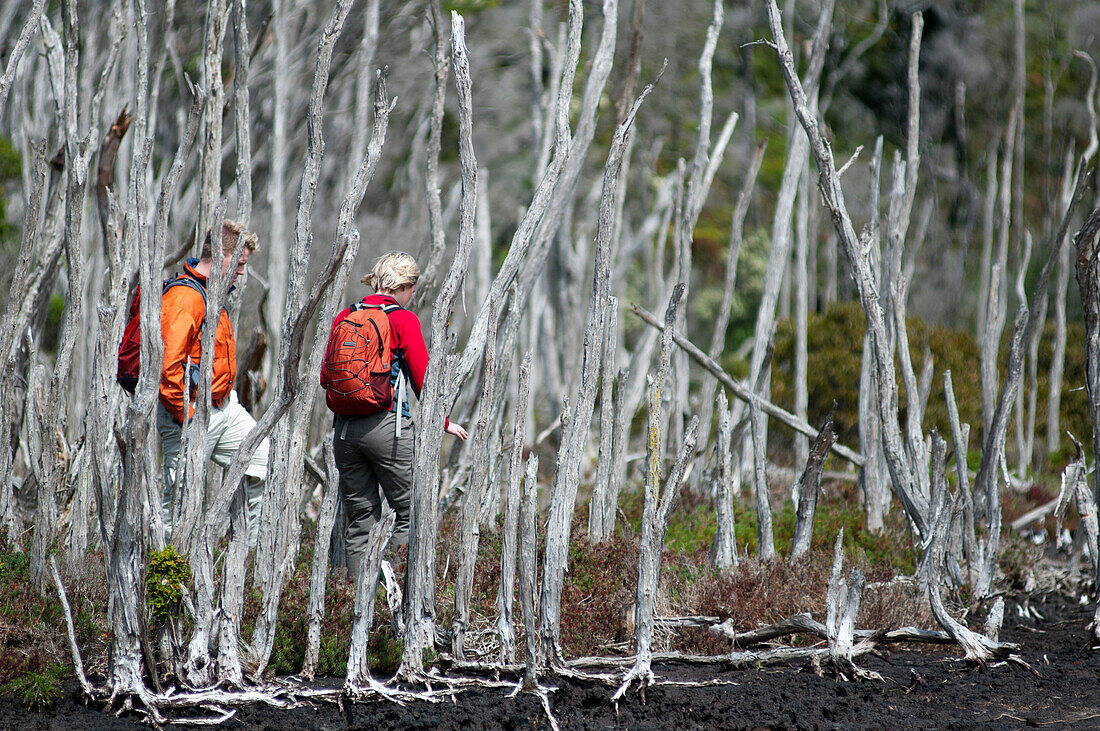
{"points": [[456, 430]]}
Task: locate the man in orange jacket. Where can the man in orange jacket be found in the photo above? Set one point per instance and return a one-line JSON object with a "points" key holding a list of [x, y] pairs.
{"points": [[183, 310]]}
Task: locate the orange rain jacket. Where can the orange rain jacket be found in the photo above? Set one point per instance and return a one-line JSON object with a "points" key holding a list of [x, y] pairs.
{"points": [[181, 315]]}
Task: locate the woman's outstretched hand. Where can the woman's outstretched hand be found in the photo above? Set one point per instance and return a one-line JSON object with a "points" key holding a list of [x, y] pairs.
{"points": [[456, 430]]}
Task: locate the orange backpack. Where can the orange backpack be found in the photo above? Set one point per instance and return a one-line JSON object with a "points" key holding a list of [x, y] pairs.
{"points": [[356, 372]]}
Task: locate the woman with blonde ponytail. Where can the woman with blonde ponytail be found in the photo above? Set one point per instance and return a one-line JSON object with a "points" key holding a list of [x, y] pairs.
{"points": [[374, 451]]}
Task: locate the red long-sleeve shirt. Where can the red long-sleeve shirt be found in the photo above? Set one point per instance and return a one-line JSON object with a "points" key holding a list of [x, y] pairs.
{"points": [[406, 339]]}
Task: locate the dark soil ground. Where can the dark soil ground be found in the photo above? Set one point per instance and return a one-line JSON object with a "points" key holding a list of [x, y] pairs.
{"points": [[922, 689]]}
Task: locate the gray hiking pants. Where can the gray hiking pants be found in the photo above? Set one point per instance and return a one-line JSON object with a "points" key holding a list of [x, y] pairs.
{"points": [[373, 462]]}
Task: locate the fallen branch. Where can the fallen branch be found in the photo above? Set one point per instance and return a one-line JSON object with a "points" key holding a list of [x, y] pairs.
{"points": [[743, 392], [78, 663]]}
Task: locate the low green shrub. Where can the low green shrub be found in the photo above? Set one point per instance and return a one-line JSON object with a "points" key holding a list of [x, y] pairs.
{"points": [[166, 573], [835, 350], [38, 690]]}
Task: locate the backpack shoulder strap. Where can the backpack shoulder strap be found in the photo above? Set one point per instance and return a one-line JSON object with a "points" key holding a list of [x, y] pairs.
{"points": [[183, 280], [385, 308]]}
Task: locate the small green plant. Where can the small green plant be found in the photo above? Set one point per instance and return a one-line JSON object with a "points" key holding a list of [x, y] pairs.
{"points": [[38, 690], [168, 571], [384, 652]]}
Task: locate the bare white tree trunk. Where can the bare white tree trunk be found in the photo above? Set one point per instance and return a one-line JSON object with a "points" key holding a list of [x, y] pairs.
{"points": [[780, 252], [439, 386], [1058, 347], [359, 677], [528, 571], [564, 495], [807, 489], [902, 474], [765, 543], [978, 647], [326, 517], [506, 590], [655, 515], [469, 526], [801, 276], [217, 15], [278, 259], [601, 489], [960, 438], [30, 26], [437, 243], [15, 319], [723, 549], [842, 607]]}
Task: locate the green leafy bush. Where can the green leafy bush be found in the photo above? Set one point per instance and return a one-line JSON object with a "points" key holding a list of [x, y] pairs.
{"points": [[38, 690], [166, 573], [835, 345]]}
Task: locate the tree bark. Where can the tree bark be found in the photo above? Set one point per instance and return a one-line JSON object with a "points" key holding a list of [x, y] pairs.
{"points": [[468, 524], [366, 582], [807, 489], [723, 549], [439, 386], [326, 517], [564, 495], [507, 587], [902, 474]]}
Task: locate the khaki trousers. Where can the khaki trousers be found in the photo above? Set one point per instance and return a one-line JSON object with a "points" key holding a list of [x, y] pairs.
{"points": [[227, 427]]}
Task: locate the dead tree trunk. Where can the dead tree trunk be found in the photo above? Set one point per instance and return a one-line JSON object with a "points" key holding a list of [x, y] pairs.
{"points": [[765, 542], [437, 242], [469, 525], [25, 35], [779, 254], [506, 590], [439, 386], [902, 473], [77, 156], [723, 549], [1087, 243], [1058, 348], [326, 517], [598, 503], [841, 609], [655, 515], [15, 320], [564, 494], [359, 677], [528, 571], [278, 259], [978, 647], [807, 489], [986, 482]]}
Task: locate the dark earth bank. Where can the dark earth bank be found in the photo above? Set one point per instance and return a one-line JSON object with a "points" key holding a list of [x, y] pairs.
{"points": [[922, 689]]}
